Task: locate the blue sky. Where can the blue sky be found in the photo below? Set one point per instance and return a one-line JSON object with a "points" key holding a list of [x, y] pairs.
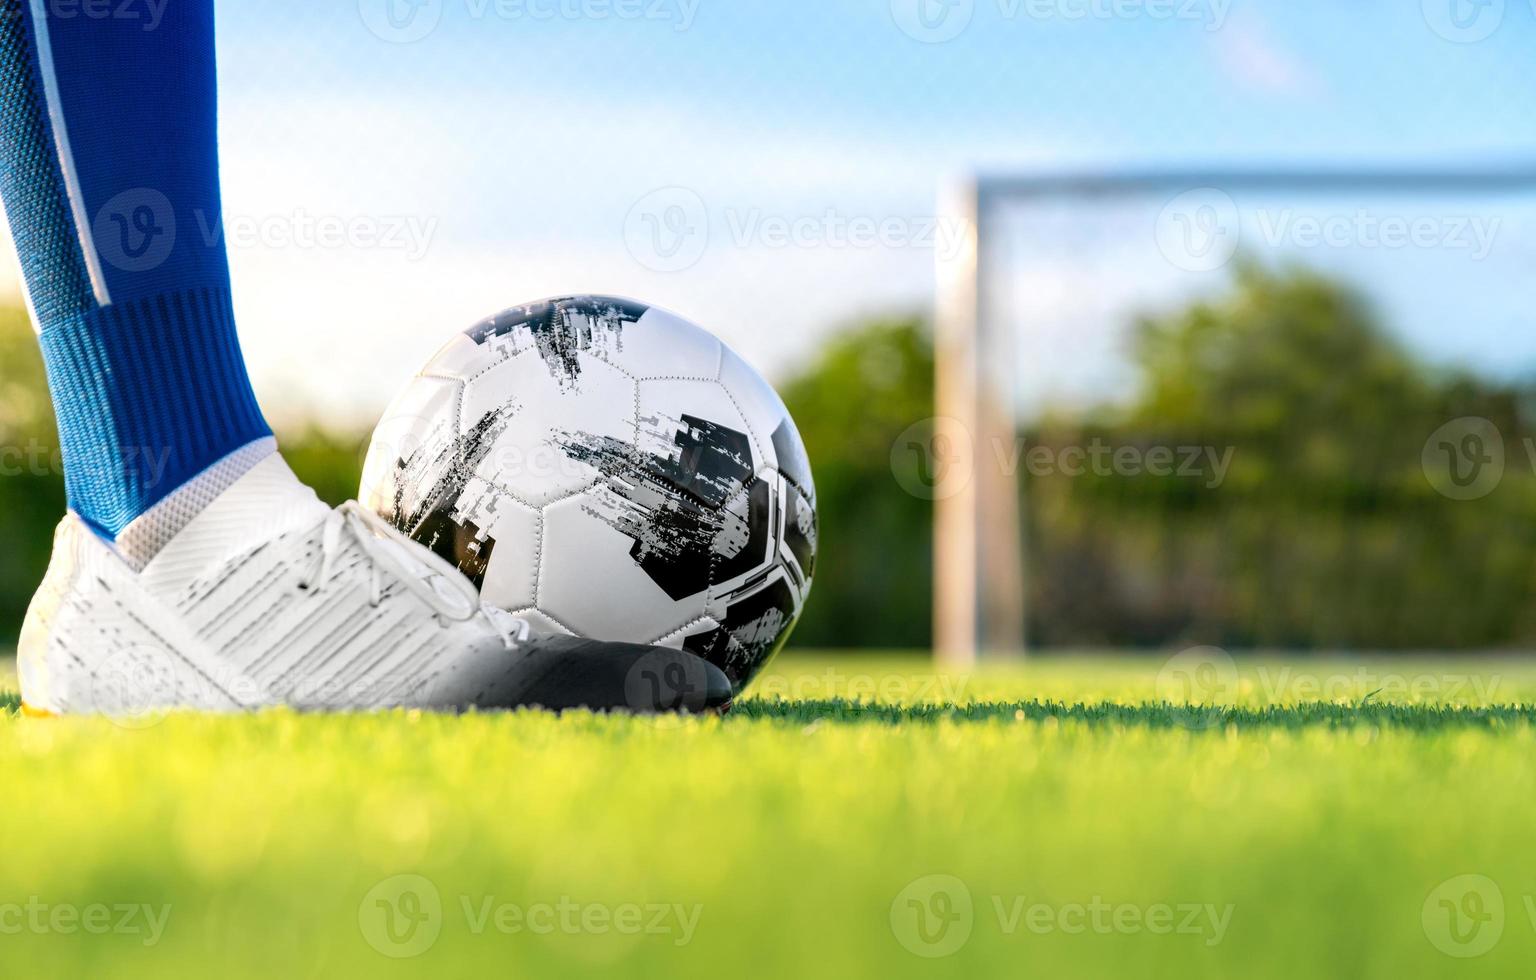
{"points": [[384, 190]]}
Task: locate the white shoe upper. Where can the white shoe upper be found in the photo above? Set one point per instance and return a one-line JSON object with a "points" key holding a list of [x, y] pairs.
{"points": [[267, 597]]}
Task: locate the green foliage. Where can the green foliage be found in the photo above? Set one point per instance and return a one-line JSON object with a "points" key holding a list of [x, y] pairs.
{"points": [[31, 474], [330, 462], [1325, 531], [874, 575]]}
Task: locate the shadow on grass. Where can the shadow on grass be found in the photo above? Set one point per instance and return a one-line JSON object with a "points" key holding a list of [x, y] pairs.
{"points": [[1422, 717]]}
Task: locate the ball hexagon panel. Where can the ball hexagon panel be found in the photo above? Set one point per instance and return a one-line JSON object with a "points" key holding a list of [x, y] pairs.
{"points": [[759, 404], [514, 532], [593, 572], [522, 414], [664, 345]]}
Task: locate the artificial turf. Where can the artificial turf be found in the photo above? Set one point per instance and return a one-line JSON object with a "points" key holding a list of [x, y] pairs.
{"points": [[852, 817]]}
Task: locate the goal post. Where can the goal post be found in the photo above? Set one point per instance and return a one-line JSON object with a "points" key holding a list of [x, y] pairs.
{"points": [[978, 561], [1190, 221]]}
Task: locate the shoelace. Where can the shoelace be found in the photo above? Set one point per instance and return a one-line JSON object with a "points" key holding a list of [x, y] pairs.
{"points": [[422, 572]]}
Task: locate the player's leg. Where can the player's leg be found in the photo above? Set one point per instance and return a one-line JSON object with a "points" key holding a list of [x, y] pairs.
{"points": [[110, 177], [194, 570]]}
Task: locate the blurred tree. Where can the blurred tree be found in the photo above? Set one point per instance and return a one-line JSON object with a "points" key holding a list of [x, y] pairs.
{"points": [[331, 462], [31, 476], [874, 575], [1325, 531]]}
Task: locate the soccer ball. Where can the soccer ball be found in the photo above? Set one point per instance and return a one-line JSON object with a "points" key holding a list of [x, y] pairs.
{"points": [[610, 470]]}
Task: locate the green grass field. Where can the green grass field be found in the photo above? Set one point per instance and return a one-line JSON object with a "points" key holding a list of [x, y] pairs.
{"points": [[855, 817]]}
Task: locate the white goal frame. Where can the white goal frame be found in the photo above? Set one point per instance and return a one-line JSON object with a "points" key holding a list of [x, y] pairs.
{"points": [[979, 573]]}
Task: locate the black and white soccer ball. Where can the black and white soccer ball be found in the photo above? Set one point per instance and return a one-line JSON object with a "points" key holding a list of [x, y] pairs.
{"points": [[610, 470]]}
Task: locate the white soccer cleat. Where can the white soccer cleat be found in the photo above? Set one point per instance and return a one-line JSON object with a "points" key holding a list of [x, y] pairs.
{"points": [[267, 597]]}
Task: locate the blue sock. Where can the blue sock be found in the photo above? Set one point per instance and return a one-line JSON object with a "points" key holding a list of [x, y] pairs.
{"points": [[109, 172]]}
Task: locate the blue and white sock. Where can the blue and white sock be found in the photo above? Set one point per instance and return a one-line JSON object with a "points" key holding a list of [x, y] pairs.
{"points": [[109, 173]]}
